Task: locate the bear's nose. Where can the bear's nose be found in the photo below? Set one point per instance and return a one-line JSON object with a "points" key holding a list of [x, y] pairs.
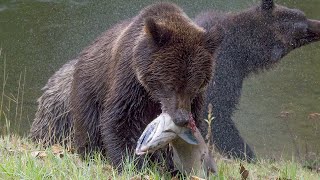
{"points": [[181, 117]]}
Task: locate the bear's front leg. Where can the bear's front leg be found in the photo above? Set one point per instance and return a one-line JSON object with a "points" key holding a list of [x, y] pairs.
{"points": [[224, 94], [120, 141], [122, 122], [226, 137]]}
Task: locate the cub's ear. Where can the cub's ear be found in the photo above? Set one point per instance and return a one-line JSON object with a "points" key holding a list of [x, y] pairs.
{"points": [[267, 4], [158, 32], [213, 38]]}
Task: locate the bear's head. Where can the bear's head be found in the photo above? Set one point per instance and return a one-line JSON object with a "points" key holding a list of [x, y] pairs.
{"points": [[174, 62], [291, 28], [264, 34]]}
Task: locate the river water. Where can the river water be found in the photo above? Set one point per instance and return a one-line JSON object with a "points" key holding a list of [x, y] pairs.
{"points": [[277, 111]]}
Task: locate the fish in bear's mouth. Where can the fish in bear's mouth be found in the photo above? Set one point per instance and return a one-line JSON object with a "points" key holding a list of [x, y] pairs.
{"points": [[161, 131], [190, 152]]}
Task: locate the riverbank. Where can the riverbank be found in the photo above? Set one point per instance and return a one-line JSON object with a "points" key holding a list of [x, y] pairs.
{"points": [[22, 159]]}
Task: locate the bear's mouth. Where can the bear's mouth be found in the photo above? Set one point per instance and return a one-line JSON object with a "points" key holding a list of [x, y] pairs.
{"points": [[312, 34], [160, 132]]}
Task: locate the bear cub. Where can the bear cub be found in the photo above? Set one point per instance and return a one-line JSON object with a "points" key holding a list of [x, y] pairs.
{"points": [[254, 40]]}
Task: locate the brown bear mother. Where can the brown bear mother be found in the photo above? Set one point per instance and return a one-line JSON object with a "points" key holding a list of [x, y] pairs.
{"points": [[158, 61]]}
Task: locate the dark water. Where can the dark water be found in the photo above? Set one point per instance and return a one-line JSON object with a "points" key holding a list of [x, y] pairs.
{"points": [[38, 36]]}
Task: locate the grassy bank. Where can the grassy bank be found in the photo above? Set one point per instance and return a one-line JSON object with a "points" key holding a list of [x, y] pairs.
{"points": [[21, 159]]}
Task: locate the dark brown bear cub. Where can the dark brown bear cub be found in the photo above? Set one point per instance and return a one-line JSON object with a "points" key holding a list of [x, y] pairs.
{"points": [[254, 40], [158, 61]]}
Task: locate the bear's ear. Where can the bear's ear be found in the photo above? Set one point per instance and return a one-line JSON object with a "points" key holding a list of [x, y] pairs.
{"points": [[267, 4], [158, 32]]}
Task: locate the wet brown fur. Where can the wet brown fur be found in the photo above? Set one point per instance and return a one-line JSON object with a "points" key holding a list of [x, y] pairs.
{"points": [[52, 121], [157, 61]]}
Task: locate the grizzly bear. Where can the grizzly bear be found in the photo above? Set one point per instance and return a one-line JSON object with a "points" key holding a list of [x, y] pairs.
{"points": [[254, 40], [158, 61]]}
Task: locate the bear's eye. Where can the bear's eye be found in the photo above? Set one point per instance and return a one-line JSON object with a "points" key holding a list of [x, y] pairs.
{"points": [[199, 89], [204, 84], [202, 88]]}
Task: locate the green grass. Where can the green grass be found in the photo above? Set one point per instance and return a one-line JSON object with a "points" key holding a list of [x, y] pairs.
{"points": [[22, 159], [11, 99]]}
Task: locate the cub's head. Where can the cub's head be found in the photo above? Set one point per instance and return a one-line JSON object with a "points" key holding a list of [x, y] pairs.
{"points": [[291, 27], [268, 32], [174, 62]]}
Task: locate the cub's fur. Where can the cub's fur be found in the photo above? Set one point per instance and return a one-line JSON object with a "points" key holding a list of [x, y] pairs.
{"points": [[254, 40]]}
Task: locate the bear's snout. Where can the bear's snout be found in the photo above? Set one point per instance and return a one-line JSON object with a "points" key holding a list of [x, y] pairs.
{"points": [[181, 117]]}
